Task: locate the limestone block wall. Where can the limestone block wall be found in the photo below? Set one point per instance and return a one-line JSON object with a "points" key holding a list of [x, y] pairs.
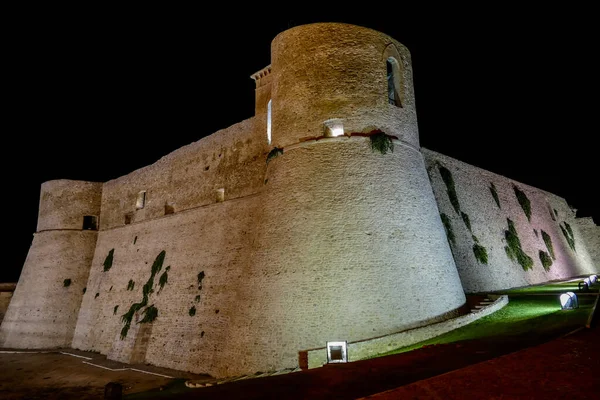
{"points": [[551, 220], [6, 292], [64, 203], [590, 233], [232, 159], [44, 308], [324, 71], [350, 246], [206, 250]]}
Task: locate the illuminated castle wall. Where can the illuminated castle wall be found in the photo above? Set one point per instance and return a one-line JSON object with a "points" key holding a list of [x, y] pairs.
{"points": [[249, 258]]}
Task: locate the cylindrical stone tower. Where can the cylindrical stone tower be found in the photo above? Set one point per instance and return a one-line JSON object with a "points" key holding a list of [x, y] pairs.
{"points": [[351, 245], [44, 308]]}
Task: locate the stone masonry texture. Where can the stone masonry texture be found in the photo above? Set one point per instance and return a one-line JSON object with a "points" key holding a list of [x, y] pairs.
{"points": [[248, 257]]}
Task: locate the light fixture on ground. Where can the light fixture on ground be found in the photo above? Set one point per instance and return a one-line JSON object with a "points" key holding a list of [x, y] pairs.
{"points": [[337, 352], [568, 301], [593, 279], [584, 285]]}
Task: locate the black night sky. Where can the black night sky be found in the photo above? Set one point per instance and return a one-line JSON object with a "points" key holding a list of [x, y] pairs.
{"points": [[93, 94]]}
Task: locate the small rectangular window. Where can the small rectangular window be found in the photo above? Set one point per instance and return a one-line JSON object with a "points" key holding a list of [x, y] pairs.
{"points": [[90, 222], [128, 218], [141, 200]]}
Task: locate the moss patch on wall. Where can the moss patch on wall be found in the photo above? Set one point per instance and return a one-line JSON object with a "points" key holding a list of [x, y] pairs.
{"points": [[513, 249], [130, 284], [480, 253], [466, 220], [381, 142], [545, 259], [108, 261], [523, 202], [448, 228], [548, 241], [67, 282], [192, 311], [450, 189], [162, 281], [568, 234], [147, 290], [150, 314], [495, 194], [115, 309]]}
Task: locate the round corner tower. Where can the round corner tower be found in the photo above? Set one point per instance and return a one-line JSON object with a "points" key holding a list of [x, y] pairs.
{"points": [[350, 245], [44, 308], [326, 71]]}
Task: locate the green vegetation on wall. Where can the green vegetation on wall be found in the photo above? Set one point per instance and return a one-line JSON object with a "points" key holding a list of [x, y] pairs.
{"points": [[450, 189], [568, 233], [545, 259], [150, 313], [163, 279], [197, 298], [108, 261], [130, 284], [448, 228], [513, 248], [495, 194], [115, 309], [381, 142], [275, 152], [67, 282], [480, 253], [548, 241], [192, 311], [466, 220], [200, 278], [523, 201]]}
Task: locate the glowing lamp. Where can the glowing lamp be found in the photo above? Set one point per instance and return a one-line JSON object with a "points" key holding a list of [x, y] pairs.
{"points": [[568, 301], [333, 127], [593, 279], [337, 352]]}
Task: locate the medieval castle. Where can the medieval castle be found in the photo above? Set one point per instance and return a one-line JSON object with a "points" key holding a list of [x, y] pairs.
{"points": [[320, 218]]}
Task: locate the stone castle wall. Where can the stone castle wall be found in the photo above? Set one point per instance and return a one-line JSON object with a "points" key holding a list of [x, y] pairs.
{"points": [[591, 236], [348, 239], [43, 310], [549, 216], [213, 240], [6, 292], [232, 159]]}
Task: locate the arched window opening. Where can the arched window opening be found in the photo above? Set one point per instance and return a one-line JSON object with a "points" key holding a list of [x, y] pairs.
{"points": [[269, 122], [393, 82]]}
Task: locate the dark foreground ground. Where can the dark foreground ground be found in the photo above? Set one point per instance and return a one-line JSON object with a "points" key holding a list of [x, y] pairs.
{"points": [[564, 365]]}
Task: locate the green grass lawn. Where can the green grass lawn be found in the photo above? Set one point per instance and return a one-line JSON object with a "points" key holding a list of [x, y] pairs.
{"points": [[524, 316]]}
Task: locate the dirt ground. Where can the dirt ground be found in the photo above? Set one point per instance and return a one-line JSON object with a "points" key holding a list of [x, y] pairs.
{"points": [[69, 374]]}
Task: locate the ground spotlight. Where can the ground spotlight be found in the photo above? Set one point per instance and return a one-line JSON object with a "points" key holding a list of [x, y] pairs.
{"points": [[568, 301], [593, 279], [337, 352]]}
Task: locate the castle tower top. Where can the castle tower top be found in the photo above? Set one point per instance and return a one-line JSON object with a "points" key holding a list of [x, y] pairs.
{"points": [[356, 75]]}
